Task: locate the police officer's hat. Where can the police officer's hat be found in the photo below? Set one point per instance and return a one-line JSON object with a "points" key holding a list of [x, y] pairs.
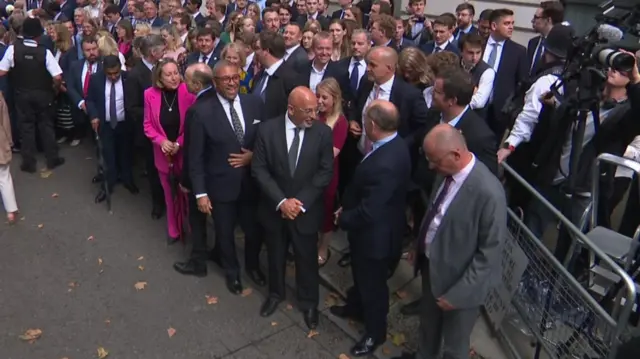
{"points": [[558, 41], [31, 28]]}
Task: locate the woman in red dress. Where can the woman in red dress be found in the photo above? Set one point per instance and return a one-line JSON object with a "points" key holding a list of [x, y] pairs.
{"points": [[330, 112]]}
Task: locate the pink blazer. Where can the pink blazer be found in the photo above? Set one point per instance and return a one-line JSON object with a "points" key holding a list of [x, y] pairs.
{"points": [[153, 129]]}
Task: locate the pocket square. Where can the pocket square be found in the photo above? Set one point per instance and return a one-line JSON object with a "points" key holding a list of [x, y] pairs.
{"points": [[256, 121]]}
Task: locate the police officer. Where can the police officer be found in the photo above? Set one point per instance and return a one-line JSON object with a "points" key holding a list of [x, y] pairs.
{"points": [[37, 74]]}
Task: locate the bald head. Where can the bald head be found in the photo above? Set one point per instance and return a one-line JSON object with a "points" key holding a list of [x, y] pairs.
{"points": [[301, 95], [384, 115], [446, 150], [445, 137], [385, 54], [381, 64], [198, 76], [303, 107]]}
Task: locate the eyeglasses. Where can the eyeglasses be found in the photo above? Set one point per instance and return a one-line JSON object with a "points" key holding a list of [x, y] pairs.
{"points": [[232, 78]]}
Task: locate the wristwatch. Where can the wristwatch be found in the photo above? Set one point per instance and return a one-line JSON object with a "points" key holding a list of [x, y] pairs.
{"points": [[508, 146]]}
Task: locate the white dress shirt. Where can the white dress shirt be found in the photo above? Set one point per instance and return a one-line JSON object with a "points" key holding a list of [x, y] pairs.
{"points": [[119, 100], [362, 68], [487, 52], [442, 46], [428, 96], [249, 61], [236, 106], [385, 92], [7, 62], [485, 89], [454, 188], [528, 118], [270, 71], [147, 64], [83, 76], [316, 76], [208, 55], [456, 119], [290, 134], [289, 51]]}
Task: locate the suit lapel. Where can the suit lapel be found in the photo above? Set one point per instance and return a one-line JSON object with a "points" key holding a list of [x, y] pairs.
{"points": [[246, 116], [281, 140], [461, 198], [309, 136]]}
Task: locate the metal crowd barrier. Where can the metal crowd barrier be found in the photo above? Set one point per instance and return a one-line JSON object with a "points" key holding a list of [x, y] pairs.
{"points": [[550, 306]]}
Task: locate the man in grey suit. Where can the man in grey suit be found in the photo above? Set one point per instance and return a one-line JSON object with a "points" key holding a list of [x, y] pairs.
{"points": [[459, 244]]}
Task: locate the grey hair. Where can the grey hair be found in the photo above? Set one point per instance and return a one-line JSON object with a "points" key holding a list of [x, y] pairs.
{"points": [[387, 120], [202, 74], [151, 42], [364, 32]]}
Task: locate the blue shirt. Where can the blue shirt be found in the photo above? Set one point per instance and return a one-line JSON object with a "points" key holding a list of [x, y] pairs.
{"points": [[456, 119], [380, 143]]}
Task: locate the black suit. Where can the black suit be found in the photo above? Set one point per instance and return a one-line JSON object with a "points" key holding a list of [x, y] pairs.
{"points": [[138, 81], [232, 191], [428, 48], [276, 93], [197, 219], [512, 69], [116, 142], [373, 208], [533, 45], [312, 175], [298, 58]]}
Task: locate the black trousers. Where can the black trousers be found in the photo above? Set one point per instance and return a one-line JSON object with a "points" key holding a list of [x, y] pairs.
{"points": [[226, 215], [157, 193], [369, 295], [36, 109], [198, 224], [305, 249], [117, 151]]}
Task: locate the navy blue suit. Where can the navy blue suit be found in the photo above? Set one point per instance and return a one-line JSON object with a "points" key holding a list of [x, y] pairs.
{"points": [[194, 57], [157, 22], [116, 143], [373, 207], [73, 78], [431, 45], [472, 30], [532, 46]]}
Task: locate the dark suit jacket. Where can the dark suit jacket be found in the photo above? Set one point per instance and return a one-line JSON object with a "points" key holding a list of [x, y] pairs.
{"points": [[298, 58], [512, 70], [200, 20], [270, 168], [96, 97], [212, 140], [403, 44], [323, 20], [198, 107], [75, 86], [349, 98], [373, 203], [473, 30], [194, 57], [429, 46], [279, 86], [337, 14], [409, 102], [139, 79], [157, 22], [46, 41], [531, 53], [333, 70], [68, 58]]}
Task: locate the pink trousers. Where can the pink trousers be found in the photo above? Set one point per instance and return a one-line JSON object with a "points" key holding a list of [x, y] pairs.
{"points": [[172, 220]]}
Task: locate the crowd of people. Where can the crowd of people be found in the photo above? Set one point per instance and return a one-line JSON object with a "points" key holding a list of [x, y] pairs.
{"points": [[291, 122]]}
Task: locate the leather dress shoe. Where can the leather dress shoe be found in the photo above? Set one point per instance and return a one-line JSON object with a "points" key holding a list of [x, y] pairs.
{"points": [[132, 188], [257, 277], [343, 311], [311, 318], [97, 178], [157, 212], [410, 309], [171, 241], [345, 260], [27, 167], [55, 163], [234, 285], [191, 267], [269, 307], [366, 346]]}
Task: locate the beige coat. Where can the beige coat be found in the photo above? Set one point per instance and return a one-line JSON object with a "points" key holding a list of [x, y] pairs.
{"points": [[6, 141]]}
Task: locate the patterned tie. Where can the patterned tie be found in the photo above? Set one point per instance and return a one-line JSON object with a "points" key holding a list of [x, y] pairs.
{"points": [[431, 214], [113, 113], [237, 125], [293, 151], [493, 55]]}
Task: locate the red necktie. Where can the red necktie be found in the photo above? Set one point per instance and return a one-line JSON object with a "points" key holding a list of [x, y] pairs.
{"points": [[87, 78]]}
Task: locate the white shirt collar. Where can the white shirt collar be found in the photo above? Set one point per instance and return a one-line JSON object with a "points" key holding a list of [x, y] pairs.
{"points": [[288, 124], [353, 61], [249, 61], [291, 50], [386, 87], [147, 64], [443, 45], [492, 41], [313, 68], [313, 16], [461, 176], [224, 100], [456, 119], [273, 68], [195, 14], [222, 20]]}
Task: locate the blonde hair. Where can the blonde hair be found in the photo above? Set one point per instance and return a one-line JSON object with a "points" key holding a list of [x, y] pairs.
{"points": [[107, 46], [414, 67], [332, 87], [238, 49], [142, 29], [171, 29], [63, 38], [156, 74]]}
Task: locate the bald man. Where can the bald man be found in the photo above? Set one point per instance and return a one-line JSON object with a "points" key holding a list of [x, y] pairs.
{"points": [[408, 100], [293, 164], [198, 78], [459, 244], [372, 213]]}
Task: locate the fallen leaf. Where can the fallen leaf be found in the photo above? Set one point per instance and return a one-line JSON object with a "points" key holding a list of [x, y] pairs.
{"points": [[40, 226], [73, 284], [140, 285], [141, 268], [31, 335], [401, 294], [343, 356], [246, 292], [331, 299], [102, 353], [107, 321], [171, 332], [99, 261], [90, 238], [289, 306], [398, 339], [55, 195], [140, 258], [386, 351], [274, 324], [45, 174], [23, 218], [211, 299], [312, 333], [101, 270]]}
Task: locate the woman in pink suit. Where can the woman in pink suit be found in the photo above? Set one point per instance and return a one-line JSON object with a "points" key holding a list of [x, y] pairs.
{"points": [[165, 107]]}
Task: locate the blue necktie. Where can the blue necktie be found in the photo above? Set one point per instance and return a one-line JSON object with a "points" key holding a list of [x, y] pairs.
{"points": [[355, 76]]}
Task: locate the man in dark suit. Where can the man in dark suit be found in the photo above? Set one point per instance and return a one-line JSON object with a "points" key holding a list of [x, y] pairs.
{"points": [[344, 6], [278, 79], [372, 213], [509, 60], [294, 54], [209, 47], [442, 37], [222, 138], [151, 14], [293, 164], [548, 14], [383, 31], [400, 41], [465, 13], [321, 67], [106, 108], [355, 66], [138, 80], [199, 80], [312, 14], [112, 13]]}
